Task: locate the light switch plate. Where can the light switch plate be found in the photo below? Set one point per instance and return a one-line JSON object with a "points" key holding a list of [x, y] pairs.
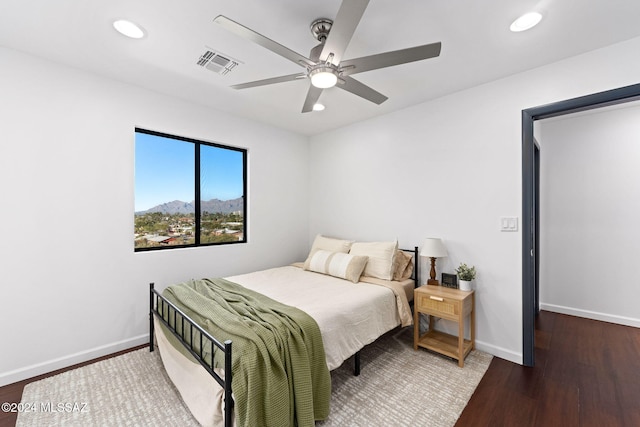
{"points": [[509, 223]]}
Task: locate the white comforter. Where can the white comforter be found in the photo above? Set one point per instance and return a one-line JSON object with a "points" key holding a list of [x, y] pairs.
{"points": [[350, 315]]}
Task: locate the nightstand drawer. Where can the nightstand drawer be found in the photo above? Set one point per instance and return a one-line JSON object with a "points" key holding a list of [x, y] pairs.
{"points": [[438, 305]]}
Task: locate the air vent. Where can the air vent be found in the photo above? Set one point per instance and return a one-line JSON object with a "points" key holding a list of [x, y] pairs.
{"points": [[217, 62]]}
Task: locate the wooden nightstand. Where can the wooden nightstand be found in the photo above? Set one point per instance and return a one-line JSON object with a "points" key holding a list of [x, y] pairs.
{"points": [[445, 303]]}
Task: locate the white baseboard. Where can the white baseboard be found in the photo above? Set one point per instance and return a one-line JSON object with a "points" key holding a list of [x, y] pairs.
{"points": [[594, 315], [70, 360], [500, 352]]}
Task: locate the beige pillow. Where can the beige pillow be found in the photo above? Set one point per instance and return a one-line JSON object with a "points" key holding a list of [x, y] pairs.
{"points": [[338, 264], [380, 255], [402, 265], [327, 244]]}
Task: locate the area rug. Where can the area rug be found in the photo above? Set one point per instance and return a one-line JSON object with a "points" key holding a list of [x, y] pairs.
{"points": [[397, 387]]}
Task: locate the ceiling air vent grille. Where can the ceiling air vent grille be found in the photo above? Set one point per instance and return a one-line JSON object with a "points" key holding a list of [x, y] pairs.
{"points": [[216, 62]]}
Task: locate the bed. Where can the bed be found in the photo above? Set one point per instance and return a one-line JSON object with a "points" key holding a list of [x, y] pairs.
{"points": [[351, 305]]}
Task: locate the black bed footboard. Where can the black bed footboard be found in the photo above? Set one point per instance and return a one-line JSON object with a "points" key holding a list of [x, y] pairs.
{"points": [[166, 312]]}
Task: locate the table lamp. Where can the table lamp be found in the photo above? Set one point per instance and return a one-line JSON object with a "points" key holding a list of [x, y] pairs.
{"points": [[433, 248]]}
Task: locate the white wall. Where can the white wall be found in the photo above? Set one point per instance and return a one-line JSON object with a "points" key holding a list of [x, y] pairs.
{"points": [[451, 168], [72, 287], [589, 210]]}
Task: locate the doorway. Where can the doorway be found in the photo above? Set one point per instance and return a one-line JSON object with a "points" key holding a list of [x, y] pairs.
{"points": [[530, 198]]}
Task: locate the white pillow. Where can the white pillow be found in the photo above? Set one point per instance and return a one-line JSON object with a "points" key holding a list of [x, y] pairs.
{"points": [[338, 264], [327, 244], [380, 255]]}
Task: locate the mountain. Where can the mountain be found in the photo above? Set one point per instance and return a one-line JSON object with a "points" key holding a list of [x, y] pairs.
{"points": [[224, 206], [213, 205]]}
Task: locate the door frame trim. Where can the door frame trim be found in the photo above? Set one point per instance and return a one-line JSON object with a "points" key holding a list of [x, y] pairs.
{"points": [[529, 115]]}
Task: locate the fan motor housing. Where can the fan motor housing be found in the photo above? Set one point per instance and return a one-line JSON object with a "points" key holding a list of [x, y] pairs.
{"points": [[320, 28]]}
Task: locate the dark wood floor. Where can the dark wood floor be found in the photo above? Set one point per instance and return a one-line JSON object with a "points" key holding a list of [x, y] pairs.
{"points": [[587, 373]]}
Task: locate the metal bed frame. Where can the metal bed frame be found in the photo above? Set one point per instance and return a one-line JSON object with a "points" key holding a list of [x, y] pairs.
{"points": [[165, 311]]}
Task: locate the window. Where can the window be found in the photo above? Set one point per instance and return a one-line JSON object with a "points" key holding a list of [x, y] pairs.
{"points": [[187, 192]]}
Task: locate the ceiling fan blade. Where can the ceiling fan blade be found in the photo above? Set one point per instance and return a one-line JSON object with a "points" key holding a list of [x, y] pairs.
{"points": [[355, 87], [270, 81], [312, 98], [342, 29], [388, 59], [263, 41]]}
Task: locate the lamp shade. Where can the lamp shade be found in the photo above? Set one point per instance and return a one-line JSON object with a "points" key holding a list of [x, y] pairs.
{"points": [[433, 248]]}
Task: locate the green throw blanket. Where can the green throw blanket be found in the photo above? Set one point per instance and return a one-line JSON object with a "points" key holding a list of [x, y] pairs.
{"points": [[280, 375]]}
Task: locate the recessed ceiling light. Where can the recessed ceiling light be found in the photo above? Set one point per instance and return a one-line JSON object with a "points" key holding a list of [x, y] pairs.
{"points": [[318, 107], [128, 29], [525, 22]]}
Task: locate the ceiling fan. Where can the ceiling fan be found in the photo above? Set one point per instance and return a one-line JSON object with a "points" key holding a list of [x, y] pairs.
{"points": [[325, 66]]}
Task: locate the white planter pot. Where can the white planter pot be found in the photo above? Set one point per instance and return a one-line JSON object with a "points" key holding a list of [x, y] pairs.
{"points": [[464, 285]]}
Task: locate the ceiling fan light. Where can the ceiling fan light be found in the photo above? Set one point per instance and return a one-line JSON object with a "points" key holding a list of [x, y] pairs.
{"points": [[526, 22], [323, 77], [318, 107], [128, 28]]}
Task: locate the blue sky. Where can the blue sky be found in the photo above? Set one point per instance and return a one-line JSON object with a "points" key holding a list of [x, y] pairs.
{"points": [[164, 171]]}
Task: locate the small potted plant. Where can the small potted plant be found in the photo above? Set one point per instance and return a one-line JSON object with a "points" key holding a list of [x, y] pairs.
{"points": [[465, 275]]}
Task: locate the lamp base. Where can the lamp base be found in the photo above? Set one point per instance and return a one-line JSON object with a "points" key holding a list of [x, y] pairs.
{"points": [[432, 274]]}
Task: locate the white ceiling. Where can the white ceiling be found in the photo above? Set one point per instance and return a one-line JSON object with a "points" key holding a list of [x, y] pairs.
{"points": [[477, 47]]}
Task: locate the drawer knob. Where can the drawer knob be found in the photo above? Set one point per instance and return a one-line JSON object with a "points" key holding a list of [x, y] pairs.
{"points": [[436, 298]]}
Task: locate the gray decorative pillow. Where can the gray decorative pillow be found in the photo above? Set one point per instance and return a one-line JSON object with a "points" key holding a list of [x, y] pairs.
{"points": [[402, 266]]}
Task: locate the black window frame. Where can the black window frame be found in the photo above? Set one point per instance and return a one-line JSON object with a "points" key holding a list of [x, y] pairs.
{"points": [[197, 198]]}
